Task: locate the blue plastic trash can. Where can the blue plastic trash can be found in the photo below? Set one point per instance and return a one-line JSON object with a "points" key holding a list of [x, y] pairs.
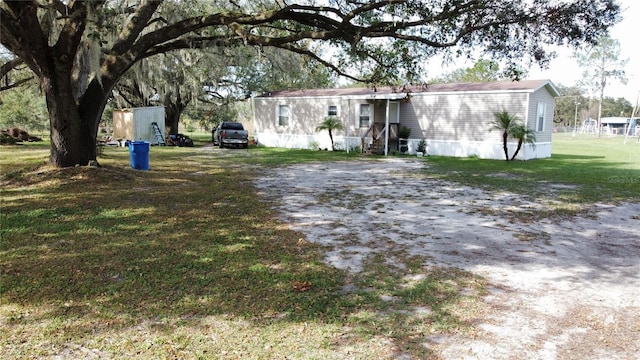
{"points": [[139, 154]]}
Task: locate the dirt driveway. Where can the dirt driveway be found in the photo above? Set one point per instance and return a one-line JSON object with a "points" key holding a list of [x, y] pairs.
{"points": [[560, 288]]}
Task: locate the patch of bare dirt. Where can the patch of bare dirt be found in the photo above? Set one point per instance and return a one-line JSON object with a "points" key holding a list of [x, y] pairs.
{"points": [[561, 287]]}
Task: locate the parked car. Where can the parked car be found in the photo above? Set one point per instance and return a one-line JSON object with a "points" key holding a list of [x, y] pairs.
{"points": [[230, 134]]}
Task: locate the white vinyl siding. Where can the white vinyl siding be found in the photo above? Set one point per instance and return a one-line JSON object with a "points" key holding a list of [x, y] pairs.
{"points": [[459, 117], [283, 115]]}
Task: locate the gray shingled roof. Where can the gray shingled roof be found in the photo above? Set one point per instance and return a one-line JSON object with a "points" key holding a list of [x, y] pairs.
{"points": [[523, 85]]}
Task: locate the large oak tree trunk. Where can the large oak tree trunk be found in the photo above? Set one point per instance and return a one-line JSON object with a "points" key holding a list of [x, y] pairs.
{"points": [[73, 140], [173, 110], [73, 135], [74, 123], [172, 118]]}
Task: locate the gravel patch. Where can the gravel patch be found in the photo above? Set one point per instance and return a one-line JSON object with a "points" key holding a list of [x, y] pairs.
{"points": [[560, 288]]}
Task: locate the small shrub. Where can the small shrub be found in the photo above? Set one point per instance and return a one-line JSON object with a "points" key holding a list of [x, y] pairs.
{"points": [[404, 133], [313, 145], [422, 146]]}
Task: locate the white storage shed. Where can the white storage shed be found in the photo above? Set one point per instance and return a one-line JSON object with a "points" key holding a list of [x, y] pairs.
{"points": [[136, 124]]}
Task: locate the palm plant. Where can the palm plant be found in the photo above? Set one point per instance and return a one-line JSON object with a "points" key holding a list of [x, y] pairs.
{"points": [[330, 123], [504, 122], [524, 135]]}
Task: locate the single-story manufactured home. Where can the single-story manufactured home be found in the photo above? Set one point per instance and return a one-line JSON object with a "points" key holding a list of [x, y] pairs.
{"points": [[453, 119], [618, 125]]}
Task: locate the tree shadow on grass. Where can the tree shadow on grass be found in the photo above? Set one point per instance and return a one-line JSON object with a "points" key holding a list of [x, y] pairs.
{"points": [[566, 157], [566, 178], [111, 247]]}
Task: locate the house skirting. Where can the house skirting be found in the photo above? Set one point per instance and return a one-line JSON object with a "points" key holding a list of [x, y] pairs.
{"points": [[481, 149], [313, 142], [484, 150]]}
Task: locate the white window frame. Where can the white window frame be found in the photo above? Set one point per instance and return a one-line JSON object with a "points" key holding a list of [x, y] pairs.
{"points": [[337, 110], [541, 116], [279, 115], [360, 116]]}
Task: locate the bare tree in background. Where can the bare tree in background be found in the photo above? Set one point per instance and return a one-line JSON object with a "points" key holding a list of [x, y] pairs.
{"points": [[601, 64]]}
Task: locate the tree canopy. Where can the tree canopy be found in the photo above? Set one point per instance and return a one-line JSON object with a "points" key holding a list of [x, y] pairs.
{"points": [[65, 42], [482, 71], [215, 79]]}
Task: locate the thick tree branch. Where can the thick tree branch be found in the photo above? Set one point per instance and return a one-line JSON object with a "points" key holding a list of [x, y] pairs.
{"points": [[317, 58], [5, 69], [15, 84], [21, 34], [196, 42], [71, 34], [134, 27], [10, 65]]}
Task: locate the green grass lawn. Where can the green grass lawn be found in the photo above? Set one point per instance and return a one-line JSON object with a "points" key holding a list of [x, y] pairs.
{"points": [[187, 260], [581, 170]]}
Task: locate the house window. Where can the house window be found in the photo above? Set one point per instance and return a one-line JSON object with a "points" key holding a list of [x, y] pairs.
{"points": [[365, 115], [284, 115], [540, 117], [332, 110]]}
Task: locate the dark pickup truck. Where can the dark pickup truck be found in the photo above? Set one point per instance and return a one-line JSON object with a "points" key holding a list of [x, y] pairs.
{"points": [[228, 134]]}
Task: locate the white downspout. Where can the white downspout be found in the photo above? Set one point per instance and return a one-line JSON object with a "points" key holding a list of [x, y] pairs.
{"points": [[386, 132], [526, 122], [253, 115], [348, 123]]}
